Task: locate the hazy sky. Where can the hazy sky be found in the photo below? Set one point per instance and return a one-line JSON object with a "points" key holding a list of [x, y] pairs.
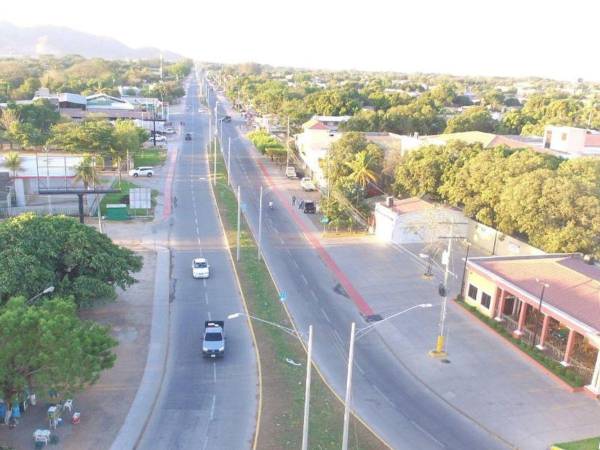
{"points": [[557, 39]]}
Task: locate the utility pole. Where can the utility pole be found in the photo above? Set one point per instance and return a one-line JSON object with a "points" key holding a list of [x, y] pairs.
{"points": [[260, 204], [287, 143], [99, 213], [239, 214], [229, 160], [439, 351], [307, 390], [348, 389]]}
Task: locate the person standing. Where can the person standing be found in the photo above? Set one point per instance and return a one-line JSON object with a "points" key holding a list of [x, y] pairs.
{"points": [[293, 200]]}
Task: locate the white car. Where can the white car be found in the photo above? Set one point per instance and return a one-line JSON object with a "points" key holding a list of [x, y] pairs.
{"points": [[290, 172], [200, 268], [159, 138], [169, 130], [307, 184], [141, 172]]}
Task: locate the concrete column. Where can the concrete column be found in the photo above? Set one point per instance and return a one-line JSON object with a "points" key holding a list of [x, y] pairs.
{"points": [[20, 192], [544, 333], [594, 386], [522, 317], [569, 349], [500, 303]]}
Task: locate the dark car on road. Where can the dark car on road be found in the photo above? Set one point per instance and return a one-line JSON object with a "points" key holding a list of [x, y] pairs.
{"points": [[227, 119], [188, 136], [309, 207]]}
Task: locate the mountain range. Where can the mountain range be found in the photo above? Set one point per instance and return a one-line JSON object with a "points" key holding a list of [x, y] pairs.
{"points": [[46, 39]]}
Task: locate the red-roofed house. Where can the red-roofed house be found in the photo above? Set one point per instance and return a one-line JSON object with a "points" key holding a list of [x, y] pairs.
{"points": [[550, 300]]}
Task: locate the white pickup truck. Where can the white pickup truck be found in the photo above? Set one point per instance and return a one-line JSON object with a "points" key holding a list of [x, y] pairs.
{"points": [[307, 184]]}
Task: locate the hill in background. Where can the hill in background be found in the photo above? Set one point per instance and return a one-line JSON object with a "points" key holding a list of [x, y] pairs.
{"points": [[40, 40]]}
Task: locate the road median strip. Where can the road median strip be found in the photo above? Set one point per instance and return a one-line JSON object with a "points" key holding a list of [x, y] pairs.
{"points": [[282, 379]]}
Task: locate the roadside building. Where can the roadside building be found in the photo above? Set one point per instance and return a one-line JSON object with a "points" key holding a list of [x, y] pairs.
{"points": [[571, 142], [553, 299]]}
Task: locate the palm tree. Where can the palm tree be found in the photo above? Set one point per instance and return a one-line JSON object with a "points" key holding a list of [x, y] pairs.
{"points": [[8, 119], [86, 172], [362, 169], [12, 161]]}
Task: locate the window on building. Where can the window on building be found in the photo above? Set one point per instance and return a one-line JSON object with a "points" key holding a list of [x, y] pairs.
{"points": [[472, 292], [563, 136], [486, 300]]}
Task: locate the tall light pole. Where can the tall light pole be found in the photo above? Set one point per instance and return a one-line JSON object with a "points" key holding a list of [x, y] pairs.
{"points": [[239, 214], [354, 336], [298, 335], [260, 205], [439, 351], [48, 290], [229, 160]]}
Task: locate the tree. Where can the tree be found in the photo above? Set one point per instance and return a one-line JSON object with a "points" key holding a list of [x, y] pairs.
{"points": [[362, 169], [86, 172], [37, 252], [12, 161], [472, 119], [48, 348], [9, 119], [126, 141]]}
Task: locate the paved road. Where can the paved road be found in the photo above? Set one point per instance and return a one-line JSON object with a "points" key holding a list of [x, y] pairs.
{"points": [[202, 401], [404, 412]]}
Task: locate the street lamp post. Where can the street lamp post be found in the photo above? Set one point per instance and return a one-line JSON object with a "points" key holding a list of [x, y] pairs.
{"points": [[462, 283], [298, 335], [48, 290], [544, 286], [354, 336]]}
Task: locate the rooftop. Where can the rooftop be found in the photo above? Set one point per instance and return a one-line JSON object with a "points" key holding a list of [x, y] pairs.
{"points": [[574, 285]]}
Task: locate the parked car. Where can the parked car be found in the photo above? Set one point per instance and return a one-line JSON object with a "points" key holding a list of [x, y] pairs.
{"points": [[290, 172], [144, 171], [169, 130], [200, 268], [227, 119], [309, 207], [307, 184], [159, 138], [188, 136]]}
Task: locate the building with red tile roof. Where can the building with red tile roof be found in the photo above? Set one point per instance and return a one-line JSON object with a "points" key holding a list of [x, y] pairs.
{"points": [[550, 300]]}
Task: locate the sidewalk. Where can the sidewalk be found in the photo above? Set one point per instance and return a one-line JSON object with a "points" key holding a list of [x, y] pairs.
{"points": [[105, 406], [484, 378]]}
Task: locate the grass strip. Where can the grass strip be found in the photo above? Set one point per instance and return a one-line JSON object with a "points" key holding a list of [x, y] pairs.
{"points": [[585, 444], [150, 157], [283, 383]]}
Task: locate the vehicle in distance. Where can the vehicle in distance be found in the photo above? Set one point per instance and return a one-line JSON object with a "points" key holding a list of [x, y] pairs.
{"points": [[188, 136], [227, 119], [290, 172], [309, 207], [307, 184], [144, 171], [169, 130], [200, 268], [159, 138], [213, 345]]}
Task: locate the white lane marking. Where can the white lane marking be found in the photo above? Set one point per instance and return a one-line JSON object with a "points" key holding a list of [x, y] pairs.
{"points": [[197, 230], [314, 296], [212, 407], [427, 433], [280, 240], [205, 297], [304, 278], [214, 372], [326, 316], [379, 391], [295, 263], [339, 338], [209, 317], [360, 369], [204, 283]]}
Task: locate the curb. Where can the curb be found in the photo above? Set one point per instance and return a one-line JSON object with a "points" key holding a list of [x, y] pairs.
{"points": [[147, 394]]}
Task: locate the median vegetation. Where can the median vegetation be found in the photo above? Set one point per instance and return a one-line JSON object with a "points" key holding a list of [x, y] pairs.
{"points": [[282, 358]]}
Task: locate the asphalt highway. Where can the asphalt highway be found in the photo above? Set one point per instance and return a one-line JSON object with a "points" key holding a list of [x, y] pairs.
{"points": [[201, 400], [395, 404]]}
